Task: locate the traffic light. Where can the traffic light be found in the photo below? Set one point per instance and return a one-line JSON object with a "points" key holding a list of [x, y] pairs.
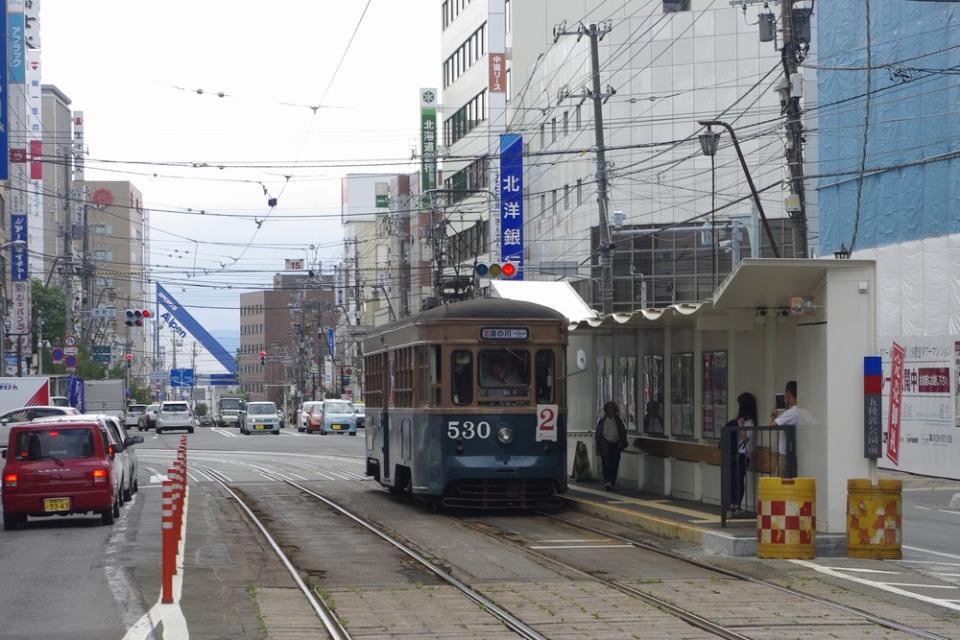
{"points": [[263, 358], [129, 358], [135, 317], [503, 271]]}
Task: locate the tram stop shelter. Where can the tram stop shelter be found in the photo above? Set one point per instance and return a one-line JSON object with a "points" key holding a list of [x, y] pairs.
{"points": [[676, 373]]}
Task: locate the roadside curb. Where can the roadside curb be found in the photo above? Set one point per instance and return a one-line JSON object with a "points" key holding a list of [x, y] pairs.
{"points": [[828, 545]]}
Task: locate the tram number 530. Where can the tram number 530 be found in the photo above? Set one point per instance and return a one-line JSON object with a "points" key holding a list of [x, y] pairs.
{"points": [[468, 430]]}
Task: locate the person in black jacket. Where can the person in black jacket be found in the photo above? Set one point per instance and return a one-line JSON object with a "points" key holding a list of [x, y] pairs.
{"points": [[611, 439]]}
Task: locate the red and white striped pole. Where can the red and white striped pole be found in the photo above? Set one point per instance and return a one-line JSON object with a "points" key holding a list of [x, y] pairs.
{"points": [[168, 556]]}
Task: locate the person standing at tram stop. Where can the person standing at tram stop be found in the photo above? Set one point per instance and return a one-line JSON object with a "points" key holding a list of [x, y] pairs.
{"points": [[783, 418], [741, 447], [611, 439]]}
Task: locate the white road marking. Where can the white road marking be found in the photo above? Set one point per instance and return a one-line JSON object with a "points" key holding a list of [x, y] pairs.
{"points": [[323, 475], [918, 585], [585, 546], [921, 507], [945, 575], [937, 562], [296, 475], [855, 570], [574, 540], [157, 479], [932, 552], [192, 477], [956, 513], [879, 585]]}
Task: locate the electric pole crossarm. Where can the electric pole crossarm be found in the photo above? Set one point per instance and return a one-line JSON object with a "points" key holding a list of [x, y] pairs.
{"points": [[746, 172]]}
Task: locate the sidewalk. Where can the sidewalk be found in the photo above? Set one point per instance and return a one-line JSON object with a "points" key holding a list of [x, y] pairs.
{"points": [[692, 522]]}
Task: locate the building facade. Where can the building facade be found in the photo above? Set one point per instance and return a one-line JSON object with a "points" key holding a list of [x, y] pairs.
{"points": [[888, 164], [679, 222], [264, 323]]}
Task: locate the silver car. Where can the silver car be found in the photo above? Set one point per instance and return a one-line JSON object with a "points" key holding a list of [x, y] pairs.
{"points": [[260, 417], [174, 415]]}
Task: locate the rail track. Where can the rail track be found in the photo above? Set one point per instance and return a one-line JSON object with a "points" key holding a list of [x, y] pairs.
{"points": [[327, 617]]}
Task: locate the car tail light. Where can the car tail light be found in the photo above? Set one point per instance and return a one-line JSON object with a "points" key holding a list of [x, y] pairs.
{"points": [[110, 449], [100, 476], [10, 480]]}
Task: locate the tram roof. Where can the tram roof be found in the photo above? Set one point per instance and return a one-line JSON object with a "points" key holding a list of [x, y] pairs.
{"points": [[490, 308]]}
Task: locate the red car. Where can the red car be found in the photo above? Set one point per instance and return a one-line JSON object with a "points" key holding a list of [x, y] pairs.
{"points": [[58, 469]]}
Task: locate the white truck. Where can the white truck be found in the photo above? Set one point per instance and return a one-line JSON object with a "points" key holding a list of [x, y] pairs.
{"points": [[105, 396], [24, 392]]}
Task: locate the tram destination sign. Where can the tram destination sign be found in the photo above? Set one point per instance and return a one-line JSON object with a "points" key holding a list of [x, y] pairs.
{"points": [[504, 333]]}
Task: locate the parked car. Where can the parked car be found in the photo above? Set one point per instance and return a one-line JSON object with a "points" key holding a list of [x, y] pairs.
{"points": [[360, 413], [57, 468], [260, 416], [174, 415], [131, 418], [333, 416], [148, 420], [28, 414], [303, 416]]}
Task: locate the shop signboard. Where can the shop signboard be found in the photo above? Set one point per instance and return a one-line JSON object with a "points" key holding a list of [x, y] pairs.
{"points": [[921, 430]]}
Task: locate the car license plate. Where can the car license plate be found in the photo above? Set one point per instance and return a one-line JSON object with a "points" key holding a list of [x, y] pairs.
{"points": [[260, 427], [336, 427], [56, 504]]}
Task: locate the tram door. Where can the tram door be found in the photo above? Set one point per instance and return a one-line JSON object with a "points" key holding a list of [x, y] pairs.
{"points": [[387, 471]]}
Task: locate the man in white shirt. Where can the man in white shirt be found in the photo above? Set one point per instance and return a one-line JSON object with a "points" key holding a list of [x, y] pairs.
{"points": [[788, 417]]}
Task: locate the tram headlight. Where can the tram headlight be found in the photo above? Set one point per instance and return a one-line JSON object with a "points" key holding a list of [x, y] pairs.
{"points": [[505, 435]]}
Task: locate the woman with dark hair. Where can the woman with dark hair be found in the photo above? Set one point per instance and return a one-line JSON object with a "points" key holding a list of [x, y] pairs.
{"points": [[741, 447], [611, 439]]}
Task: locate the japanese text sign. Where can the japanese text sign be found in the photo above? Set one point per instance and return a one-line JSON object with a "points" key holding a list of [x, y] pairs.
{"points": [[511, 201], [896, 399]]}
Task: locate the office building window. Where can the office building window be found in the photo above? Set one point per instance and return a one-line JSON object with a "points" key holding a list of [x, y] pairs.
{"points": [[566, 123], [579, 117], [465, 119], [676, 5], [553, 201], [465, 56], [566, 196], [543, 135], [579, 192], [543, 203], [553, 130]]}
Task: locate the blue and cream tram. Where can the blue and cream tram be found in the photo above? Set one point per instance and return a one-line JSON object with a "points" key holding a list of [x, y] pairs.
{"points": [[466, 405]]}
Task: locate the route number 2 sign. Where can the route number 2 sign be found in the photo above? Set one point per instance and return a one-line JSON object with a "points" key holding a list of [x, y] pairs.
{"points": [[547, 415]]}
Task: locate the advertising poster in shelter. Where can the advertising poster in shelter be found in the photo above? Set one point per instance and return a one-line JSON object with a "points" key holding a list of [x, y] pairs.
{"points": [[929, 416]]}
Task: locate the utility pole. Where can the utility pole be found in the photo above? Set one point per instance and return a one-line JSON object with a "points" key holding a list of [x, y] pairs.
{"points": [[794, 22], [67, 247], [596, 33]]}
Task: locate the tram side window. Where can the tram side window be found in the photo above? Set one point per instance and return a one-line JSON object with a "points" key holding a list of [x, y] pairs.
{"points": [[546, 375], [428, 366], [461, 377]]}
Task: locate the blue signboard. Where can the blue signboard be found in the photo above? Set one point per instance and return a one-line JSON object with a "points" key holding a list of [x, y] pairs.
{"points": [[511, 201], [217, 380], [16, 48], [331, 342], [18, 263], [180, 321], [4, 136], [181, 378]]}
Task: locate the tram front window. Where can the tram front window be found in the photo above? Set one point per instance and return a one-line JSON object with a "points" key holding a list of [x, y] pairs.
{"points": [[504, 373]]}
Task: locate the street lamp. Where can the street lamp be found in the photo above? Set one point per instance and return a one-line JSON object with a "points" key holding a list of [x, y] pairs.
{"points": [[709, 140], [746, 173]]}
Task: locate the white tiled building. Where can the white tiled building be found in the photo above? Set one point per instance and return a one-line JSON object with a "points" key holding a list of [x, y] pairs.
{"points": [[671, 63]]}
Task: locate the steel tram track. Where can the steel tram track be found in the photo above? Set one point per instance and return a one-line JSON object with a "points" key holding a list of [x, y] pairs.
{"points": [[508, 619], [685, 615], [730, 573], [327, 618]]}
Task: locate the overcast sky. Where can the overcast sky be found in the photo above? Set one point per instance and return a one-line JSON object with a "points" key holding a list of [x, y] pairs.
{"points": [[121, 62]]}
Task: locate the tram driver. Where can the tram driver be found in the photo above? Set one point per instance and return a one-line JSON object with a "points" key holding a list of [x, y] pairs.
{"points": [[502, 370]]}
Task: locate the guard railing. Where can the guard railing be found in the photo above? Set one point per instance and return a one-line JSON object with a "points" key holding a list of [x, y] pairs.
{"points": [[762, 461]]}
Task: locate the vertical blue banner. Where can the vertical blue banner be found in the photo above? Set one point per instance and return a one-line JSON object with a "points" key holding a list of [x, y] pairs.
{"points": [[18, 262], [511, 201], [331, 342], [16, 47], [4, 135]]}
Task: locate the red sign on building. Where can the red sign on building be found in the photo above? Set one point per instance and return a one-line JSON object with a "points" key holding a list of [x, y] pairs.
{"points": [[896, 398], [498, 73]]}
